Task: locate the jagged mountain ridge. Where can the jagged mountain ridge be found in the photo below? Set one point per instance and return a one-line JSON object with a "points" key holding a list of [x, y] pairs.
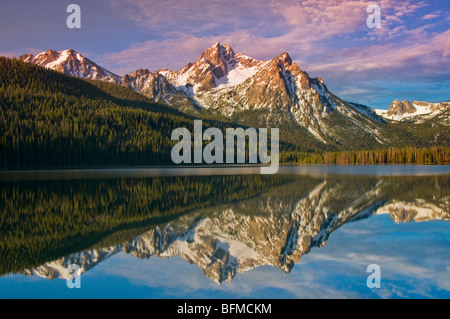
{"points": [[231, 84], [217, 67], [274, 93], [277, 92]]}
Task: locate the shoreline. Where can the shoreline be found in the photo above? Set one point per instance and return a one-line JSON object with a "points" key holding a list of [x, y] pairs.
{"points": [[385, 170]]}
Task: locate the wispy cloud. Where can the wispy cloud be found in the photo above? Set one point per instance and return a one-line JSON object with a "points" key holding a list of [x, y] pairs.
{"points": [[427, 57], [199, 16], [433, 15]]}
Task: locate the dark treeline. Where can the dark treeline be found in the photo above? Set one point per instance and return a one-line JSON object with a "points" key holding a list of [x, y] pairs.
{"points": [[434, 155]]}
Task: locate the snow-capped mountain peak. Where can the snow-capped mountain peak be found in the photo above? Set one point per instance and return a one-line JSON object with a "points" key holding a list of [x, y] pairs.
{"points": [[217, 67], [71, 62], [417, 110]]}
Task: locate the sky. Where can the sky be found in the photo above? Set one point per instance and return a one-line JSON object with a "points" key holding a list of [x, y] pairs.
{"points": [[407, 58]]}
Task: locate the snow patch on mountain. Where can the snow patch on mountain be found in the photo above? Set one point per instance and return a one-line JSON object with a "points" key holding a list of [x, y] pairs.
{"points": [[235, 77], [72, 63], [418, 110]]}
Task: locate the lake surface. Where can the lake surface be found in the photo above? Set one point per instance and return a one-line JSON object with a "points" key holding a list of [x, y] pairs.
{"points": [[306, 232]]}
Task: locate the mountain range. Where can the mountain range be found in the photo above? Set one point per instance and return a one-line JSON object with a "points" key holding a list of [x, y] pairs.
{"points": [[251, 92]]}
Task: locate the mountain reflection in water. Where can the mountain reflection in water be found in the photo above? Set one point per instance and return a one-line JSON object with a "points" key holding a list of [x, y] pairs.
{"points": [[223, 224]]}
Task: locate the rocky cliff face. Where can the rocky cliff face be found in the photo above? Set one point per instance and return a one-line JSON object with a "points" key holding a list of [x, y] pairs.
{"points": [[152, 84], [217, 67], [400, 107]]}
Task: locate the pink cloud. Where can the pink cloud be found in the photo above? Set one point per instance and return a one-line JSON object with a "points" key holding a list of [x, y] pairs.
{"points": [[322, 19], [432, 16], [429, 56], [300, 28]]}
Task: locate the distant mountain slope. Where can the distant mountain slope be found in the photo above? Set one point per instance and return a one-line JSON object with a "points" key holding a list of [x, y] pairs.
{"points": [[71, 62], [417, 111], [277, 92]]}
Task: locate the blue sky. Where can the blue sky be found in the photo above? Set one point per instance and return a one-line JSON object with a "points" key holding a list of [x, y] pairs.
{"points": [[407, 58]]}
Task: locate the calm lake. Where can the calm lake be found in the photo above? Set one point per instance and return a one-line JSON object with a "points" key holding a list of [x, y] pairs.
{"points": [[305, 232]]}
